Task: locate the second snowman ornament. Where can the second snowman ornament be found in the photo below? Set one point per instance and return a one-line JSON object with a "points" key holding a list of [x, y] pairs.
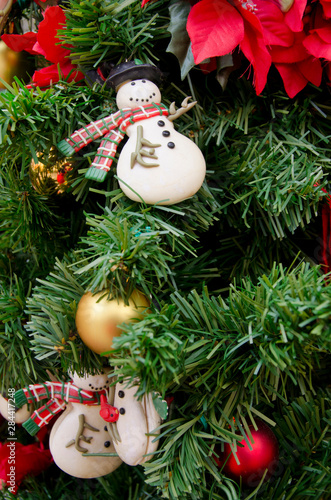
{"points": [[157, 165]]}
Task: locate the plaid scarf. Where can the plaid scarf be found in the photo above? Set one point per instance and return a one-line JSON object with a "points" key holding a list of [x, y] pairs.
{"points": [[58, 394], [113, 128]]}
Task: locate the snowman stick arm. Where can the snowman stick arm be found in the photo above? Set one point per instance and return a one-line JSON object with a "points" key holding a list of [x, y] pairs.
{"points": [[185, 107]]}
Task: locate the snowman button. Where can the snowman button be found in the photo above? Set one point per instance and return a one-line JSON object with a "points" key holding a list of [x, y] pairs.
{"points": [[122, 411], [166, 133], [106, 444], [161, 123], [121, 394], [171, 145]]}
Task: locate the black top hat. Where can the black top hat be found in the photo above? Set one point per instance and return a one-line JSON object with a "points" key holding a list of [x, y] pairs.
{"points": [[133, 70]]}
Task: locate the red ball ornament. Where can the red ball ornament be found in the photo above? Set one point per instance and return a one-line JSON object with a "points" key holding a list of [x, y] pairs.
{"points": [[253, 462]]}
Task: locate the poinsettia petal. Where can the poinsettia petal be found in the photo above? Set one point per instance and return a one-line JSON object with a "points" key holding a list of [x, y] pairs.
{"points": [[275, 30], [215, 28], [53, 21], [38, 49], [297, 52], [323, 33], [46, 76], [318, 47], [50, 75], [326, 8], [311, 69], [253, 47], [292, 78], [293, 17], [21, 42]]}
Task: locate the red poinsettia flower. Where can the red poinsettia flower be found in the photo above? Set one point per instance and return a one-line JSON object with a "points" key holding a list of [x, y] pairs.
{"points": [[18, 461], [318, 41], [296, 66], [46, 43], [217, 27]]}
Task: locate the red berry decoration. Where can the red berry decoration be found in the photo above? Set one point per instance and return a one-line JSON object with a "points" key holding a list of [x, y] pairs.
{"points": [[253, 462]]}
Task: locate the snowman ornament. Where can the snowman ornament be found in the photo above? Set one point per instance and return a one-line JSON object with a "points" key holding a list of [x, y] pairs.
{"points": [[157, 165], [79, 440], [91, 438]]}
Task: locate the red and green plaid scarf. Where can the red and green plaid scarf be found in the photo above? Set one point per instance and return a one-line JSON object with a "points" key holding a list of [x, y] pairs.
{"points": [[113, 128], [58, 395]]}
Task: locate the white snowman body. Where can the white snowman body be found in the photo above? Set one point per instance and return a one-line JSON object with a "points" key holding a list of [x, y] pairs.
{"points": [[97, 441], [178, 168]]}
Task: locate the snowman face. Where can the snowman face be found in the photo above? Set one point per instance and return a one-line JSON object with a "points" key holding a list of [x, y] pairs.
{"points": [[137, 93], [96, 382]]}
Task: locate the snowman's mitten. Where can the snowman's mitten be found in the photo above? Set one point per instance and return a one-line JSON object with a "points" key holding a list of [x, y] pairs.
{"points": [[136, 422]]}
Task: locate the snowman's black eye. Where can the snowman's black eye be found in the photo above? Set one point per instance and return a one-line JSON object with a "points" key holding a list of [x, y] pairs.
{"points": [[143, 81], [133, 83], [131, 98]]}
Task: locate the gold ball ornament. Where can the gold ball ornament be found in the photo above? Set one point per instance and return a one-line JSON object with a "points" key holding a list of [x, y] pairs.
{"points": [[97, 318], [49, 176]]}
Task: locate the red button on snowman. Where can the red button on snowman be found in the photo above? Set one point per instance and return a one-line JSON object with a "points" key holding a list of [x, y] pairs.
{"points": [[157, 165]]}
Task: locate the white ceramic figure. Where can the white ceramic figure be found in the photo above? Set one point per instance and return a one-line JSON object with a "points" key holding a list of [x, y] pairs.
{"points": [[157, 165], [80, 434], [79, 440], [135, 432]]}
